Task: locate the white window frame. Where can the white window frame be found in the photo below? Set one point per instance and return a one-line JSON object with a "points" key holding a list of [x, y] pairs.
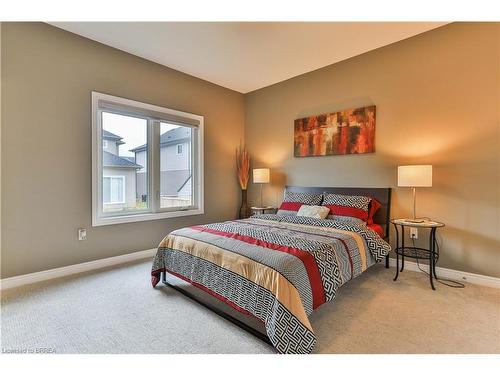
{"points": [[155, 115], [179, 145], [123, 188]]}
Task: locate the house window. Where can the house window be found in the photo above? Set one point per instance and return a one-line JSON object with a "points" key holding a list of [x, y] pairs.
{"points": [[113, 189], [140, 177]]}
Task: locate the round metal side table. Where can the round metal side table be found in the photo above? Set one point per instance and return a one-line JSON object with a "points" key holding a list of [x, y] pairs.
{"points": [[416, 252]]}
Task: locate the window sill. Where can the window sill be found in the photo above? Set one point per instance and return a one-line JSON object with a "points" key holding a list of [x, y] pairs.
{"points": [[110, 220]]}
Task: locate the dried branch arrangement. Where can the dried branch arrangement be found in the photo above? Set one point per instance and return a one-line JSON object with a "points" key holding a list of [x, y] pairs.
{"points": [[243, 166]]}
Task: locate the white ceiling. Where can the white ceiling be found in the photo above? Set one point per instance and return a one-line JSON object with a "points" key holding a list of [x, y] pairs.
{"points": [[246, 56]]}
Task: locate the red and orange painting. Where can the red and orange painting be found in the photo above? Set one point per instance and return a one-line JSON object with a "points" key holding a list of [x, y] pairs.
{"points": [[350, 131]]}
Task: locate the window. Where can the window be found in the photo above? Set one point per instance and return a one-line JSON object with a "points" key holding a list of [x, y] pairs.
{"points": [[113, 189], [150, 166], [176, 189], [124, 169]]}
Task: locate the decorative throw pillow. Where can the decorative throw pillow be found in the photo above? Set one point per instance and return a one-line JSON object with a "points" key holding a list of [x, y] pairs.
{"points": [[347, 205], [292, 202], [317, 212], [372, 209]]}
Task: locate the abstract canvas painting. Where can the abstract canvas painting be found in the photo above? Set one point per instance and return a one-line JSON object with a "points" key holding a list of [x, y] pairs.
{"points": [[350, 131]]}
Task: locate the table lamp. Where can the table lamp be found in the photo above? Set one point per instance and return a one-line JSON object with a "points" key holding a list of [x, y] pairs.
{"points": [[415, 176], [261, 176]]}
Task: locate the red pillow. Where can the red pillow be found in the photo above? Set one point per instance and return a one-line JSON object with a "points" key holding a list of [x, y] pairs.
{"points": [[293, 201], [347, 211], [374, 207], [290, 206], [347, 205], [378, 229]]}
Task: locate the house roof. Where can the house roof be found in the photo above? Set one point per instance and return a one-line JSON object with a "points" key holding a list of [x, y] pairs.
{"points": [[172, 137], [184, 183], [109, 135], [112, 160], [129, 158], [173, 181], [112, 137]]}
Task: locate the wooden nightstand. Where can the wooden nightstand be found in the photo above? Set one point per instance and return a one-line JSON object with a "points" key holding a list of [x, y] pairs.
{"points": [[416, 252], [263, 210]]}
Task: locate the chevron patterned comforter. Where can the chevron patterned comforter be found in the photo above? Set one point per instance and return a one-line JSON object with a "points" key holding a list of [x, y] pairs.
{"points": [[276, 268]]}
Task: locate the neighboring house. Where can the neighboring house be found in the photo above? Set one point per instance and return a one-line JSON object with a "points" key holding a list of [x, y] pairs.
{"points": [[175, 167], [118, 174]]}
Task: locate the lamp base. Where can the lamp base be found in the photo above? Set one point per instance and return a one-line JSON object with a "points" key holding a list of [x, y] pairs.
{"points": [[415, 219]]}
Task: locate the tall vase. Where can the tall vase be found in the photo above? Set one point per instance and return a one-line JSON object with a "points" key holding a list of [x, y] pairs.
{"points": [[244, 209]]}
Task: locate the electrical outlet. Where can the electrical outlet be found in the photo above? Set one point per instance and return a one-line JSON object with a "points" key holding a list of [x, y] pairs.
{"points": [[82, 234], [413, 233]]}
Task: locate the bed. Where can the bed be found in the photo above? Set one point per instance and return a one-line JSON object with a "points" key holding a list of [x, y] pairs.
{"points": [[268, 273]]}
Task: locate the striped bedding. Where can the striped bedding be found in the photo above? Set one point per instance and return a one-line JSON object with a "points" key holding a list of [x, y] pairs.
{"points": [[276, 268]]}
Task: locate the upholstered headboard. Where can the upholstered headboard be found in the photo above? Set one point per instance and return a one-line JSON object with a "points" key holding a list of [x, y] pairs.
{"points": [[383, 195]]}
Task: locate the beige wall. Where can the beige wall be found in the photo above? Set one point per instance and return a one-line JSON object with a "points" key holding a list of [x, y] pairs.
{"points": [[437, 98], [47, 76]]}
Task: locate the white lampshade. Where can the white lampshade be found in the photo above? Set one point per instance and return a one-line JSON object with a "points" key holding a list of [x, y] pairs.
{"points": [[415, 175], [261, 175]]}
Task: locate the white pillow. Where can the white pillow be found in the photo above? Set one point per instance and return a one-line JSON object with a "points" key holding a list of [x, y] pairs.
{"points": [[317, 212]]}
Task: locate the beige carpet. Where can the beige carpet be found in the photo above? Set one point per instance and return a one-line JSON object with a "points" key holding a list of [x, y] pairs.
{"points": [[117, 311]]}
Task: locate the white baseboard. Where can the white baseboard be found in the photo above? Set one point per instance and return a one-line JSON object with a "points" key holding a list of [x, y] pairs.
{"points": [[447, 273], [30, 278]]}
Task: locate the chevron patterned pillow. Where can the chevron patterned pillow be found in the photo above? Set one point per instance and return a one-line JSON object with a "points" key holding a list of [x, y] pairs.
{"points": [[293, 201], [347, 205]]}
